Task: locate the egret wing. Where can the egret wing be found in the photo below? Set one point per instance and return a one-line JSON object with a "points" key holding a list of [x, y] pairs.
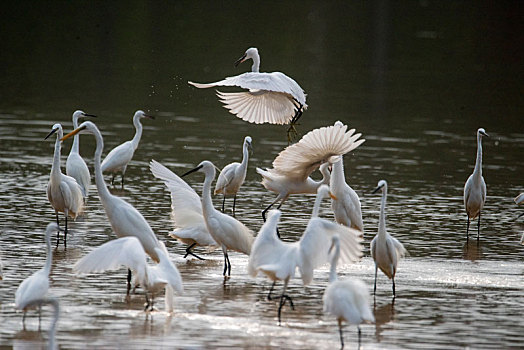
{"points": [[520, 198]]}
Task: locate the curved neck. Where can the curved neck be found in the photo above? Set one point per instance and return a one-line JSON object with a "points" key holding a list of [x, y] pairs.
{"points": [[138, 132], [245, 157], [382, 218], [76, 139], [101, 187], [255, 68], [316, 206], [478, 163], [334, 260], [55, 168], [49, 257], [337, 175], [207, 202], [52, 330]]}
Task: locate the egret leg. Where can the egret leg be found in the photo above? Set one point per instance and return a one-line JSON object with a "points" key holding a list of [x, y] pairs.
{"points": [[283, 299], [341, 334], [375, 286], [393, 279], [223, 203], [123, 176], [189, 252], [271, 290], [39, 315], [227, 264], [23, 319], [58, 231], [234, 202], [113, 179], [467, 230], [65, 232], [147, 302], [359, 336], [129, 281], [478, 228]]}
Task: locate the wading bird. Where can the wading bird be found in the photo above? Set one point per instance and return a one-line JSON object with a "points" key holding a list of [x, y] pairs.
{"points": [[272, 98], [35, 287], [129, 252], [227, 231], [475, 188], [63, 192], [186, 211], [76, 167], [279, 260], [120, 156], [292, 167], [233, 175], [385, 249], [347, 205], [125, 220], [347, 300]]}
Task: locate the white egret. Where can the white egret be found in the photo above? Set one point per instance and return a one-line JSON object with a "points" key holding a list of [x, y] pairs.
{"points": [[279, 260], [125, 220], [233, 175], [119, 157], [186, 211], [76, 167], [35, 287], [272, 98], [227, 231], [129, 252], [347, 300], [292, 167], [475, 187], [385, 249], [347, 205], [63, 192]]}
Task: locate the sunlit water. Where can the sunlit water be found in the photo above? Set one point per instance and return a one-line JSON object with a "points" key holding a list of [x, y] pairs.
{"points": [[412, 86]]}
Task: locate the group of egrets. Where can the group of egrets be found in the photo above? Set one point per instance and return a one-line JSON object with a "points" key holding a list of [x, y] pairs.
{"points": [[271, 98]]}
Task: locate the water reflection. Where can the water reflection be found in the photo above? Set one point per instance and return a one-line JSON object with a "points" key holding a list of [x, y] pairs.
{"points": [[383, 315], [472, 250]]}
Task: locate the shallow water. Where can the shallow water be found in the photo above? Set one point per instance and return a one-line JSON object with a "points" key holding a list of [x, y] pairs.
{"points": [[416, 89]]}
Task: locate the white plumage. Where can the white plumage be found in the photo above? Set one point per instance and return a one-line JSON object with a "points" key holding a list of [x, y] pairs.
{"points": [[347, 300], [227, 231], [63, 192], [385, 249], [76, 167], [120, 156], [520, 198], [292, 167], [272, 97], [233, 175], [475, 187], [279, 260], [346, 206], [186, 210], [129, 252]]}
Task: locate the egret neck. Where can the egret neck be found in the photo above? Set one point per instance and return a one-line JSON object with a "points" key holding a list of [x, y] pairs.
{"points": [[138, 132], [334, 259], [382, 218], [477, 173]]}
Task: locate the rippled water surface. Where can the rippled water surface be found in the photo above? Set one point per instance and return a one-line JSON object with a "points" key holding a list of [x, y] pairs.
{"points": [[416, 79]]}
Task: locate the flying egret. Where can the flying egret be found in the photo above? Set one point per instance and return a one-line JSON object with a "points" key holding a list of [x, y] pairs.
{"points": [[385, 249], [186, 211], [475, 187], [347, 300], [35, 287], [272, 98], [279, 260], [292, 167], [227, 231], [63, 192], [125, 220], [120, 156], [233, 175], [128, 251], [76, 167]]}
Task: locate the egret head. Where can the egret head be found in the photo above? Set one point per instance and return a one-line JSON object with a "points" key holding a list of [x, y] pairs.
{"points": [[324, 192], [382, 185], [482, 132], [252, 52], [56, 128], [86, 127], [140, 114], [247, 142], [205, 166]]}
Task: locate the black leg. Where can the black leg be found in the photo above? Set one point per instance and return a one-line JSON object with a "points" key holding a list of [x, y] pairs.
{"points": [[283, 299], [65, 233], [223, 203], [57, 232], [123, 180], [271, 290], [467, 231], [375, 286], [129, 281], [478, 228], [228, 265], [393, 279], [341, 334], [147, 302], [359, 336], [190, 252], [113, 179], [234, 202]]}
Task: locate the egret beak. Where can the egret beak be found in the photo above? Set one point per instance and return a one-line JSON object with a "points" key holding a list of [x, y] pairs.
{"points": [[332, 196], [73, 133], [250, 148], [518, 217], [240, 60], [193, 170], [484, 133], [90, 115], [376, 189], [51, 133], [149, 116]]}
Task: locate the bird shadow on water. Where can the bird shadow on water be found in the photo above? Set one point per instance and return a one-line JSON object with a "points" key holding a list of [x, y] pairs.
{"points": [[472, 250], [25, 339], [383, 315]]}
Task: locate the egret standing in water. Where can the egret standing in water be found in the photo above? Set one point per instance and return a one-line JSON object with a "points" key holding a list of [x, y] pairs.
{"points": [[76, 167], [233, 175], [347, 300], [120, 156], [279, 260], [63, 192], [35, 287], [128, 251], [272, 98], [475, 188], [186, 211], [385, 249], [292, 167], [125, 220], [227, 231]]}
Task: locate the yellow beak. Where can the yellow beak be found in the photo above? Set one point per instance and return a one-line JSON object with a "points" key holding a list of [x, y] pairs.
{"points": [[73, 133], [332, 196]]}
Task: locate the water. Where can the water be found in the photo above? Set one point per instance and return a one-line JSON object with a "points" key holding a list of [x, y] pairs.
{"points": [[416, 78]]}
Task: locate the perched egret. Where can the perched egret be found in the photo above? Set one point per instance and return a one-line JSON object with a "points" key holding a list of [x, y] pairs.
{"points": [[475, 187], [385, 249], [233, 175], [120, 156], [347, 300], [279, 260], [128, 251], [347, 205], [227, 231], [272, 98], [63, 192], [292, 167], [186, 211], [123, 217], [35, 287], [76, 167]]}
